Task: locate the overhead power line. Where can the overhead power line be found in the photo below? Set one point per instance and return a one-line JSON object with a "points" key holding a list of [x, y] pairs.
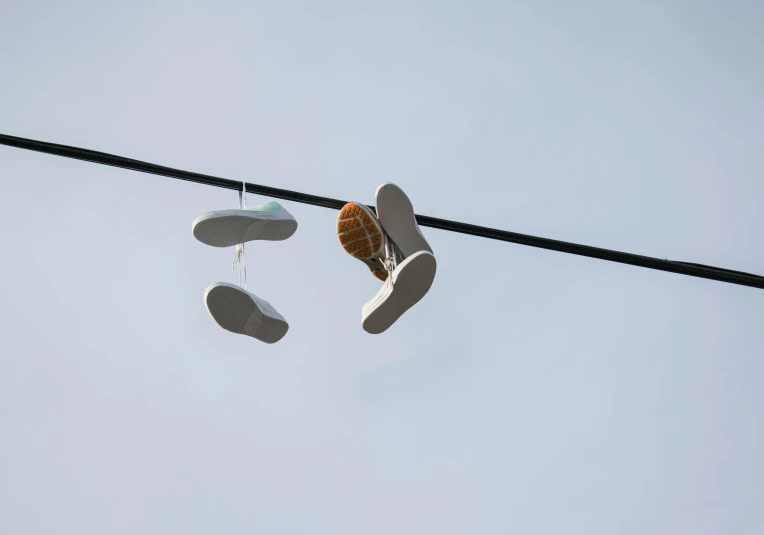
{"points": [[673, 266]]}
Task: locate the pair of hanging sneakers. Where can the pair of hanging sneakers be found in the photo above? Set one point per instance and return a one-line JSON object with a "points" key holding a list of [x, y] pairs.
{"points": [[395, 250], [389, 242], [231, 306]]}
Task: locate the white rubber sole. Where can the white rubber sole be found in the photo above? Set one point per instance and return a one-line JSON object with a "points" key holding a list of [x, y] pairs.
{"points": [[226, 228], [396, 213], [242, 312], [408, 284]]}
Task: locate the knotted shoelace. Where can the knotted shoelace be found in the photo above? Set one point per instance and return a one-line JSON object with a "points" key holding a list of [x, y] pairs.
{"points": [[239, 257]]}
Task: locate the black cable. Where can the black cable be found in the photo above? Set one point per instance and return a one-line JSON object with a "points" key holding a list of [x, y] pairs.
{"points": [[683, 268]]}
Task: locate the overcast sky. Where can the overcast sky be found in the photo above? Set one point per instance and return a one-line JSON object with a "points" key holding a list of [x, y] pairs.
{"points": [[530, 392]]}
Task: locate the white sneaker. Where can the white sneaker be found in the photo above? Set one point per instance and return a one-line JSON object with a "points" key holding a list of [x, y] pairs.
{"points": [[407, 284], [242, 312], [396, 213], [226, 228]]}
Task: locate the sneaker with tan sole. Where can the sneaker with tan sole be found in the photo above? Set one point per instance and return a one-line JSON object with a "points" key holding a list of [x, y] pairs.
{"points": [[362, 237]]}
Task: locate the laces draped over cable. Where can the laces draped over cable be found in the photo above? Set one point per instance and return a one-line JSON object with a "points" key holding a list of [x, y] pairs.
{"points": [[238, 255]]}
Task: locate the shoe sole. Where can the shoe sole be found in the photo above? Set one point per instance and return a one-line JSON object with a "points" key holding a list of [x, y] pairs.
{"points": [[361, 236], [226, 228], [412, 280], [238, 311], [396, 213]]}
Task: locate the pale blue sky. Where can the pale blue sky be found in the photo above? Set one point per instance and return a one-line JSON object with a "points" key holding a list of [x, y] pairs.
{"points": [[530, 392]]}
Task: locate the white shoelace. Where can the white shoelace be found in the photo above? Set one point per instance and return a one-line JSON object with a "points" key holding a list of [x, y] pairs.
{"points": [[393, 255], [239, 256]]}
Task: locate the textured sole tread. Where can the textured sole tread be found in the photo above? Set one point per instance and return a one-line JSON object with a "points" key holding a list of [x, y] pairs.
{"points": [[361, 236], [233, 309]]}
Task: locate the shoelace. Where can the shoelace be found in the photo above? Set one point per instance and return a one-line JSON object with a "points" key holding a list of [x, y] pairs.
{"points": [[239, 257], [393, 255]]}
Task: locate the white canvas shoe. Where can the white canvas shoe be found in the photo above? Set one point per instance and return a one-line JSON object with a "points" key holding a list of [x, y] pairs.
{"points": [[242, 312], [396, 213], [407, 284], [226, 228]]}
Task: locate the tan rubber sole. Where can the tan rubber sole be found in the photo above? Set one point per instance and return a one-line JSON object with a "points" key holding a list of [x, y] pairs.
{"points": [[360, 234]]}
